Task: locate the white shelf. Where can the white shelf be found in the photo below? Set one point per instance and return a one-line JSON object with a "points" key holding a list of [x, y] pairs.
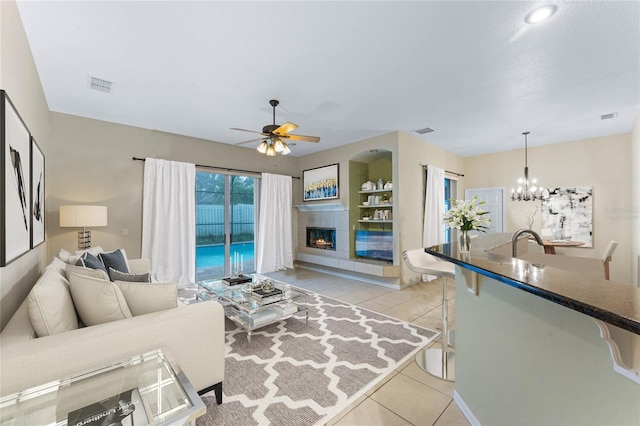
{"points": [[374, 191], [375, 221], [376, 205]]}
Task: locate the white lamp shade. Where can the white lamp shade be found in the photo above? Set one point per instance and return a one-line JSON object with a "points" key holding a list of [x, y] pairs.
{"points": [[82, 216]]}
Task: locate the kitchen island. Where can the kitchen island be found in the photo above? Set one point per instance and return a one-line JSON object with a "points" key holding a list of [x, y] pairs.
{"points": [[536, 344]]}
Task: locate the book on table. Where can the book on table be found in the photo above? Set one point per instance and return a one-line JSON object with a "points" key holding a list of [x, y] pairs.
{"points": [[124, 408], [240, 279]]}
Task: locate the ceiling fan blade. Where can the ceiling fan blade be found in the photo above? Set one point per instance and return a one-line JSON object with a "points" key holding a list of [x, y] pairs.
{"points": [[249, 141], [285, 128], [302, 138], [250, 131]]}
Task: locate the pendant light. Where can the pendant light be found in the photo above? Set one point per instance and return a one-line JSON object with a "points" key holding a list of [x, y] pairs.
{"points": [[527, 189]]}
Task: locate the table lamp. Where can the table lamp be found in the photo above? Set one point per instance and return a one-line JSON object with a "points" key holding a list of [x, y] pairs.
{"points": [[83, 217]]}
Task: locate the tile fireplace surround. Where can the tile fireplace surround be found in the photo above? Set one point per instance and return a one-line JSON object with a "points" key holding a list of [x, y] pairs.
{"points": [[337, 218]]}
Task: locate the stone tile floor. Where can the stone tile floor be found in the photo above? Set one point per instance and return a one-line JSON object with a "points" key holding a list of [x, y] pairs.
{"points": [[408, 396]]}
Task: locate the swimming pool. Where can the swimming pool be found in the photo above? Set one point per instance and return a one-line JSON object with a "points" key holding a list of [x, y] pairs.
{"points": [[213, 256]]}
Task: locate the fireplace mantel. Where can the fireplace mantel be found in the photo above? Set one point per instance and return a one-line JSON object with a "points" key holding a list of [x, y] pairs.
{"points": [[326, 207]]}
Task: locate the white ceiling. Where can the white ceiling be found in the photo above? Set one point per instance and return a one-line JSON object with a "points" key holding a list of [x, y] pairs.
{"points": [[345, 71]]}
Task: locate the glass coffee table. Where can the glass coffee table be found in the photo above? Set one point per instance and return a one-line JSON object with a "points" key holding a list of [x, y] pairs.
{"points": [[243, 306], [146, 389]]}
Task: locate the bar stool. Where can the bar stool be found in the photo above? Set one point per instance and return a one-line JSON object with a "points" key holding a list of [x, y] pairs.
{"points": [[435, 361]]}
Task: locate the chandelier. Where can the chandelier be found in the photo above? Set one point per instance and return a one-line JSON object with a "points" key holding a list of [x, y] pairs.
{"points": [[527, 189], [273, 145]]}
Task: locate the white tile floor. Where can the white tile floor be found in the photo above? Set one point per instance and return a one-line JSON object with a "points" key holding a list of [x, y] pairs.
{"points": [[409, 396]]}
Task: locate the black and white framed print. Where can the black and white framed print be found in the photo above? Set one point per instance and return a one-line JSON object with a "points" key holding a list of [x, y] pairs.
{"points": [[320, 183], [37, 194], [15, 179]]}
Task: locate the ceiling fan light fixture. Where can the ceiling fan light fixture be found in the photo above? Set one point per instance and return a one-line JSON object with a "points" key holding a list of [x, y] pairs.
{"points": [[271, 151], [262, 148], [278, 145], [286, 149]]}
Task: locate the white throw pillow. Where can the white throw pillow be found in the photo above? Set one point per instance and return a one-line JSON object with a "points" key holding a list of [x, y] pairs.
{"points": [[50, 307], [86, 272], [73, 258], [144, 298], [58, 265], [64, 255], [97, 300]]}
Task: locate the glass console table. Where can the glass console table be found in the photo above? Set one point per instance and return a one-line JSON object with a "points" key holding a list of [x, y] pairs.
{"points": [[146, 389], [241, 307]]}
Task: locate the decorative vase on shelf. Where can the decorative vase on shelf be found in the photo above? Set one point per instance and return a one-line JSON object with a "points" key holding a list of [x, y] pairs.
{"points": [[464, 241]]}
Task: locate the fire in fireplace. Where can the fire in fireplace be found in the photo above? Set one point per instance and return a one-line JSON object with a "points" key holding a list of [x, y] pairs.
{"points": [[321, 238]]}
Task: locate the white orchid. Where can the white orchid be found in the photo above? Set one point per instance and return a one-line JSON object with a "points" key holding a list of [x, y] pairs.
{"points": [[467, 215]]}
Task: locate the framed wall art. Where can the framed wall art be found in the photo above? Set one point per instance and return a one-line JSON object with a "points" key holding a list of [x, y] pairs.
{"points": [[320, 183], [15, 178], [37, 194], [567, 215]]}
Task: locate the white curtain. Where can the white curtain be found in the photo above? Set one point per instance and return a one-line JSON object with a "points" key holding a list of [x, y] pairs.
{"points": [[433, 229], [169, 220], [275, 243]]}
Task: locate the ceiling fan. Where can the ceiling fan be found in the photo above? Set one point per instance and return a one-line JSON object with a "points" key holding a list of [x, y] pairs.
{"points": [[274, 136]]}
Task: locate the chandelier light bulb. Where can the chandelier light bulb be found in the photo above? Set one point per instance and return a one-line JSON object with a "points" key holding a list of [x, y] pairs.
{"points": [[262, 148], [279, 146]]}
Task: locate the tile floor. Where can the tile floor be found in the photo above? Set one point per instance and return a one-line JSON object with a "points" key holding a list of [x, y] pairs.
{"points": [[408, 396]]}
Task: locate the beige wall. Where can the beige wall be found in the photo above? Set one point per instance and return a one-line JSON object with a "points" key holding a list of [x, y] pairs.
{"points": [[602, 163], [634, 213], [93, 163], [413, 153], [19, 78]]}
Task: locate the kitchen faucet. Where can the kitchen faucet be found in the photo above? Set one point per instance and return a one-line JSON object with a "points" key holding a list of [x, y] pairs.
{"points": [[516, 235]]}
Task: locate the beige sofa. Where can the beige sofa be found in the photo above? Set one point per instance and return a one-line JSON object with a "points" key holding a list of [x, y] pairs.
{"points": [[193, 334]]}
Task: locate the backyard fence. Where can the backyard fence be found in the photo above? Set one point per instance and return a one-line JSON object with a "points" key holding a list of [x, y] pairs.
{"points": [[210, 220]]}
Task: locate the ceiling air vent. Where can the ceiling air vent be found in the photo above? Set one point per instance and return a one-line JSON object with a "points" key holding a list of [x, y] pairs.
{"points": [[608, 116], [424, 131], [100, 85]]}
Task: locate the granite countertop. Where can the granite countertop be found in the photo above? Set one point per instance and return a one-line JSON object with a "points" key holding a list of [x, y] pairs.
{"points": [[612, 302]]}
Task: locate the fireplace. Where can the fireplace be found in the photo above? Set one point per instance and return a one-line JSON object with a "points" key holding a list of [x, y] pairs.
{"points": [[321, 238]]}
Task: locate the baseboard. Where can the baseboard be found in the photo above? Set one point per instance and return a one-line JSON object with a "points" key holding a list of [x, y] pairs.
{"points": [[385, 282], [465, 409]]}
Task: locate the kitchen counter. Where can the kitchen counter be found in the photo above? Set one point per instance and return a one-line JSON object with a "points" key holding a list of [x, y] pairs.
{"points": [[569, 281], [542, 341]]}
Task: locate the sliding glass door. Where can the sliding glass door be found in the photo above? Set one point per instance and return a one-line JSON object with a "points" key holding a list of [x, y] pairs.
{"points": [[225, 224]]}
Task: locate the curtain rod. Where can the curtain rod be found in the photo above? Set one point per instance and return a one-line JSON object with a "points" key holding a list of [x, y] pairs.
{"points": [[216, 168], [426, 166]]}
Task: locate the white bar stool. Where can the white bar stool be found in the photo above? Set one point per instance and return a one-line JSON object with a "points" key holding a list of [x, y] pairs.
{"points": [[437, 362]]}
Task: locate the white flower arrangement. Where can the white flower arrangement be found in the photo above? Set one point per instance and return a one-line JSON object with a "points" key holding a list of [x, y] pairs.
{"points": [[467, 215]]}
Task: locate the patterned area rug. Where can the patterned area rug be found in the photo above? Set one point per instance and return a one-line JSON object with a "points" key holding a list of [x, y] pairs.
{"points": [[297, 373]]}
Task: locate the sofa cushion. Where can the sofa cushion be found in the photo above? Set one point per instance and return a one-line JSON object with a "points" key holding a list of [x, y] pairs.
{"points": [[59, 266], [87, 272], [71, 259], [123, 276], [88, 260], [50, 305], [143, 298], [97, 300], [115, 259]]}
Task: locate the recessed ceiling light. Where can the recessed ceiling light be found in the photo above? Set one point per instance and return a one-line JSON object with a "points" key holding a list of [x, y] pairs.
{"points": [[540, 14]]}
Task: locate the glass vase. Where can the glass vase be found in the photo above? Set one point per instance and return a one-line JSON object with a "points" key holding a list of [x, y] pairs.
{"points": [[464, 241]]}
